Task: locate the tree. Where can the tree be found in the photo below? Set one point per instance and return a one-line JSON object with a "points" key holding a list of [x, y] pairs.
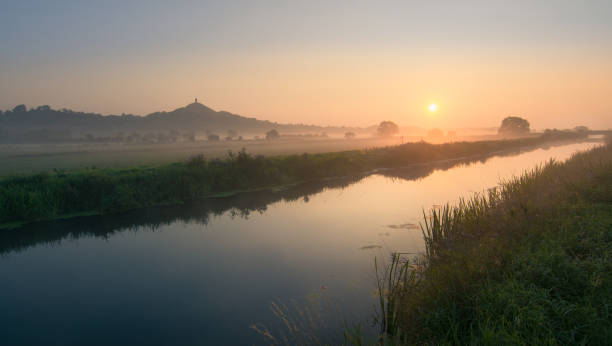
{"points": [[213, 137], [581, 129], [387, 129], [272, 134], [349, 135], [19, 109], [189, 137], [513, 126]]}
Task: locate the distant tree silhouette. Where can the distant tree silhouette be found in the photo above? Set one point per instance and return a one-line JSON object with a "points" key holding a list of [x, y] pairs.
{"points": [[349, 135], [189, 137], [272, 134], [195, 118], [19, 109], [581, 129], [451, 134], [387, 128], [514, 126], [213, 137]]}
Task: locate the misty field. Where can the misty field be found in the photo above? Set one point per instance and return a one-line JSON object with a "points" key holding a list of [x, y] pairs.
{"points": [[35, 158], [97, 190]]}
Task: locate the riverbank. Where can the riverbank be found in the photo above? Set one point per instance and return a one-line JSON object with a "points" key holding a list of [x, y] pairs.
{"points": [[528, 264], [100, 191]]}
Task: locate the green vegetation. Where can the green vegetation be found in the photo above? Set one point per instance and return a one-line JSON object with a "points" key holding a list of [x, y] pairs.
{"points": [[98, 191], [529, 263]]}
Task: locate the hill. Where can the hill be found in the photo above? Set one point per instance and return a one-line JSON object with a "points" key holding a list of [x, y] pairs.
{"points": [[44, 124]]}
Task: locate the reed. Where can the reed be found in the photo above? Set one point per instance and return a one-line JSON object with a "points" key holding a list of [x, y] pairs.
{"points": [[528, 262], [313, 320]]}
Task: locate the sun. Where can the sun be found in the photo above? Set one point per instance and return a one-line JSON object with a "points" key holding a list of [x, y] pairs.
{"points": [[433, 107]]}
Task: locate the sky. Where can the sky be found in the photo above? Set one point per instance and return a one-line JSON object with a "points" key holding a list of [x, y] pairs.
{"points": [[327, 62]]}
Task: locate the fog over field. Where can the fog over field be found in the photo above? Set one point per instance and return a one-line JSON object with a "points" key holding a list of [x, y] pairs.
{"points": [[39, 139]]}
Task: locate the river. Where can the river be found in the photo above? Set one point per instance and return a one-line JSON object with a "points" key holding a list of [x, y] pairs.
{"points": [[204, 273]]}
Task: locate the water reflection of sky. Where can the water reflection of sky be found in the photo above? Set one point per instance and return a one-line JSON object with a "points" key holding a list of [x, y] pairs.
{"points": [[187, 282]]}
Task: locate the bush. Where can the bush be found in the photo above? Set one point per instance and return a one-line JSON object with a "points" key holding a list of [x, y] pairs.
{"points": [[272, 134]]}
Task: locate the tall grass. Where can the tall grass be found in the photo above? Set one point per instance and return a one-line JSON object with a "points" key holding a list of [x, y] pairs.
{"points": [[315, 320], [94, 191], [526, 263]]}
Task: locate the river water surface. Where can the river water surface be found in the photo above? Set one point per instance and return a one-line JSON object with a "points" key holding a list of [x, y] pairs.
{"points": [[204, 273]]}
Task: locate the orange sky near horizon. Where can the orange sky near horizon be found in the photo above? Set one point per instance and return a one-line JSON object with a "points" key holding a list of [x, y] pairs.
{"points": [[358, 76], [357, 90]]}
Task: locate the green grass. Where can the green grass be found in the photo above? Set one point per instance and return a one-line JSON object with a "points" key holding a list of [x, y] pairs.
{"points": [[530, 263], [100, 191]]}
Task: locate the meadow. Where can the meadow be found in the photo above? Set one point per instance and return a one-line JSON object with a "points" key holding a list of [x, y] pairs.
{"points": [[30, 158], [89, 191], [525, 264], [38, 158]]}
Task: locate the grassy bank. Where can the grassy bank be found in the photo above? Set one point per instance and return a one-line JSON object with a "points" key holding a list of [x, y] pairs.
{"points": [[530, 263], [96, 191]]}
